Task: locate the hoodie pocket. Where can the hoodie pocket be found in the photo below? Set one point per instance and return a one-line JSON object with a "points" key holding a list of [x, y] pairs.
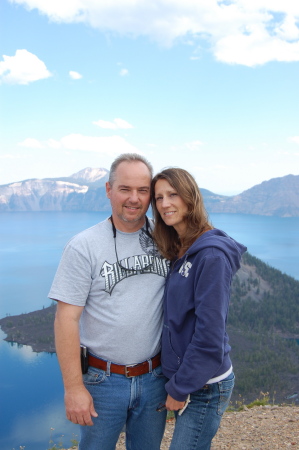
{"points": [[170, 359]]}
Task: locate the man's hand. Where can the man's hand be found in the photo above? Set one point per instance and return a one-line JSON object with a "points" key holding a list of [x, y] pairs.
{"points": [[79, 406], [172, 404]]}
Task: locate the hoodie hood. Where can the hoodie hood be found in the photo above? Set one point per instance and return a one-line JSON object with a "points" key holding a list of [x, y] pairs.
{"points": [[220, 240]]}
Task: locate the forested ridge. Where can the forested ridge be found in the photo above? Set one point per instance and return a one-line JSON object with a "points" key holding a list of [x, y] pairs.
{"points": [[263, 327], [258, 308]]}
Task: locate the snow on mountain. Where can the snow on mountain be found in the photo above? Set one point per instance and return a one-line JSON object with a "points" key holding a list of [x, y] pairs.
{"points": [[89, 174]]}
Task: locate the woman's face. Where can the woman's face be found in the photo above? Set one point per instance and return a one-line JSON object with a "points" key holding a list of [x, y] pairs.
{"points": [[170, 206]]}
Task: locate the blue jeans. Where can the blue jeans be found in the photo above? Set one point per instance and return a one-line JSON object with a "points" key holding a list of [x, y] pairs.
{"points": [[196, 427], [129, 402]]}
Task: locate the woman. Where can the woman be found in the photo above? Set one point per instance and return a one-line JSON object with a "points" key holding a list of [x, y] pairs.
{"points": [[195, 349]]}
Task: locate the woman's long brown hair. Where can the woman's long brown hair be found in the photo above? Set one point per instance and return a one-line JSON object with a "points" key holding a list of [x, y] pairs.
{"points": [[166, 237]]}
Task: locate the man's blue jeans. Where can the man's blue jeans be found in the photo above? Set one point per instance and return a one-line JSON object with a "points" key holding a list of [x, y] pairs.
{"points": [[130, 402], [196, 427]]}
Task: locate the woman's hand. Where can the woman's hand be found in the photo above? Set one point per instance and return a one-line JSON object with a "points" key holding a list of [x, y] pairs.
{"points": [[172, 404]]}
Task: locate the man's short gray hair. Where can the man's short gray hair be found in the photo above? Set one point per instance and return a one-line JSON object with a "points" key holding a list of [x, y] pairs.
{"points": [[128, 157]]}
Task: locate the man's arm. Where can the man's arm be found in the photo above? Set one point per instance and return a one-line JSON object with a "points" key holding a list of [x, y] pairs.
{"points": [[78, 402]]}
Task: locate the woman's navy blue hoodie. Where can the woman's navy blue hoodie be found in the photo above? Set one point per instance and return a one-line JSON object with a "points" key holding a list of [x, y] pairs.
{"points": [[195, 345]]}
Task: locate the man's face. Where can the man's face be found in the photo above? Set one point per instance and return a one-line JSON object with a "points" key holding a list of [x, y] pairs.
{"points": [[129, 195]]}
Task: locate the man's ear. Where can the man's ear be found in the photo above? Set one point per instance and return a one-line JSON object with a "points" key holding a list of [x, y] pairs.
{"points": [[108, 189]]}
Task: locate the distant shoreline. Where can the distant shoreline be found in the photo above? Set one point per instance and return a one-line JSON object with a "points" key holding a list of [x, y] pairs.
{"points": [[35, 329]]}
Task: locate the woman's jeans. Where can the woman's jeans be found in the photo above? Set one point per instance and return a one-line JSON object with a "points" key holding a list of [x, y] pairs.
{"points": [[129, 402], [196, 427]]}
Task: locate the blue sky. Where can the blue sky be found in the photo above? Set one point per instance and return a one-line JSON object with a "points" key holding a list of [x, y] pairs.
{"points": [[210, 86]]}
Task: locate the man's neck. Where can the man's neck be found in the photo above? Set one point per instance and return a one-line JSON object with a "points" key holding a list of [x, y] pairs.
{"points": [[128, 226]]}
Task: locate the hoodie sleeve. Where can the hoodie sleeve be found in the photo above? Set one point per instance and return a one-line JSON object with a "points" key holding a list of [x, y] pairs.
{"points": [[205, 352]]}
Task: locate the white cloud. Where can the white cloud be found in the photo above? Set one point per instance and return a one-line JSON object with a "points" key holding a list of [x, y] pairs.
{"points": [[194, 145], [257, 47], [105, 124], [23, 68], [111, 145], [247, 32], [122, 124], [25, 352], [31, 143], [124, 72], [8, 156], [117, 123], [52, 143], [75, 75], [294, 139]]}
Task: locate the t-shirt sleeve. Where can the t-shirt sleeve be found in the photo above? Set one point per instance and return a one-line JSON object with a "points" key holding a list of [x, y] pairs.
{"points": [[73, 278]]}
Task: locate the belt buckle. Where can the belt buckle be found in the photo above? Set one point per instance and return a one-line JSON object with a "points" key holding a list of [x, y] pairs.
{"points": [[126, 370]]}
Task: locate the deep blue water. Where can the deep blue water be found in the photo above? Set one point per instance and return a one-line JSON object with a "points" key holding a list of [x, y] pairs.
{"points": [[31, 392], [31, 400]]}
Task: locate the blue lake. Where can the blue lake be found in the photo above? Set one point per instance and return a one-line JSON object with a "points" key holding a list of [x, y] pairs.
{"points": [[32, 411]]}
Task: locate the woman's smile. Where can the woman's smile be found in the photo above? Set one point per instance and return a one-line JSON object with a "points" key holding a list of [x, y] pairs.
{"points": [[170, 206]]}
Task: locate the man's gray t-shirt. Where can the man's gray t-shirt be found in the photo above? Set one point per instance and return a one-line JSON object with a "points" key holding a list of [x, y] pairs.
{"points": [[122, 317]]}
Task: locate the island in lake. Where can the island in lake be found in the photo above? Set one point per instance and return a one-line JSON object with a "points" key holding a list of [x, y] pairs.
{"points": [[34, 329]]}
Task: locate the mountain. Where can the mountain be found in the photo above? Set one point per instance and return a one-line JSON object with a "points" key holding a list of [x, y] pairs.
{"points": [[262, 327], [85, 191], [276, 197], [82, 191], [92, 175]]}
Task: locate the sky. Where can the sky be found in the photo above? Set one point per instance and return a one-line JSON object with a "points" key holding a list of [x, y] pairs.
{"points": [[209, 86]]}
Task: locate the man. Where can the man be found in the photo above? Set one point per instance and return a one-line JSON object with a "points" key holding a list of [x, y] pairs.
{"points": [[109, 287]]}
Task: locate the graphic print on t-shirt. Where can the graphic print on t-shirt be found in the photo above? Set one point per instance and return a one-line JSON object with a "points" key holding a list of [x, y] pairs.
{"points": [[148, 262]]}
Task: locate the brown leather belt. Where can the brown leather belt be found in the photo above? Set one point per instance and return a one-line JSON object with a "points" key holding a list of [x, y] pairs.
{"points": [[131, 370]]}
